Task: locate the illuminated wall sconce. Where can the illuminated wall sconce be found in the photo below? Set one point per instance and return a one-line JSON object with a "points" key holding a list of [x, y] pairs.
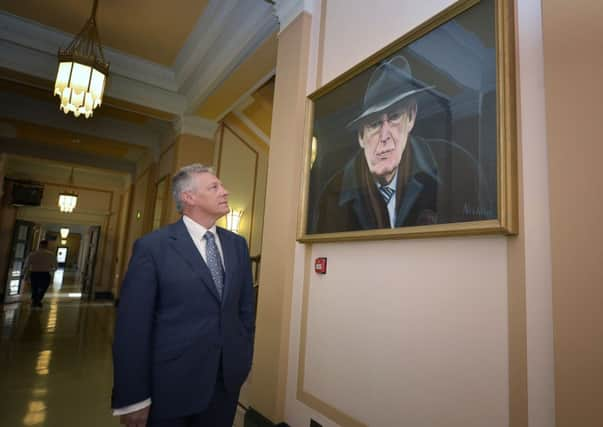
{"points": [[64, 232], [233, 219]]}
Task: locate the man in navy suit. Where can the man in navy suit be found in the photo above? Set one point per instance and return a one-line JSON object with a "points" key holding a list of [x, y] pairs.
{"points": [[183, 341]]}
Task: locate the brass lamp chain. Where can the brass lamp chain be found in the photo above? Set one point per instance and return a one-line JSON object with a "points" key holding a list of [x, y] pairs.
{"points": [[86, 46]]}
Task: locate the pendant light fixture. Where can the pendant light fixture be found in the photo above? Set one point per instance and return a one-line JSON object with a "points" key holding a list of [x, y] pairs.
{"points": [[83, 71], [68, 199]]}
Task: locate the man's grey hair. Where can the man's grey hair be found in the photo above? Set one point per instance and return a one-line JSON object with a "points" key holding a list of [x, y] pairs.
{"points": [[183, 181]]}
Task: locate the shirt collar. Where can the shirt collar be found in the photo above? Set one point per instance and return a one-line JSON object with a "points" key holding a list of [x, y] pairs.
{"points": [[196, 230], [393, 183]]}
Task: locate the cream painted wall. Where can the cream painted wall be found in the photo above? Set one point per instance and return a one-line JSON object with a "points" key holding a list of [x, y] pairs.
{"points": [[243, 167], [535, 228], [190, 149], [573, 60], [108, 249], [237, 172], [391, 340], [121, 241], [185, 150], [266, 390], [416, 332], [89, 200], [137, 212], [166, 162]]}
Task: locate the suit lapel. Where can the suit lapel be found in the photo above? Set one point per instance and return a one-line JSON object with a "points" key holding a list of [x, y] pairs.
{"points": [[228, 252], [411, 192], [182, 243]]}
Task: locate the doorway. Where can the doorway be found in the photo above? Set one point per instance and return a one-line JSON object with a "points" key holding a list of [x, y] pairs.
{"points": [[21, 245], [88, 283]]}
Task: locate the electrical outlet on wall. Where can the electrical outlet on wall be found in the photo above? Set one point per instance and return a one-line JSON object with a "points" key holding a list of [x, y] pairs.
{"points": [[314, 423]]}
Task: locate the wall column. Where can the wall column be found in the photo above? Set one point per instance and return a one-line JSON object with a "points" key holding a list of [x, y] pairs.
{"points": [[573, 115], [267, 387]]}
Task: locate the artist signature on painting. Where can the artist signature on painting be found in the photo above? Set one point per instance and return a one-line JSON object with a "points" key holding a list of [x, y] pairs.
{"points": [[477, 211]]}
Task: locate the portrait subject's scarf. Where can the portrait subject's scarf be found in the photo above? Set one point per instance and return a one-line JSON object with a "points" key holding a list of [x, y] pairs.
{"points": [[370, 193]]}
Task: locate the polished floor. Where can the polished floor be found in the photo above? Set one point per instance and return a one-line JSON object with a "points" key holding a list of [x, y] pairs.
{"points": [[55, 363]]}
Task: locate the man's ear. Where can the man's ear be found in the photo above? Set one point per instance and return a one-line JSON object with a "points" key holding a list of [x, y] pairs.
{"points": [[360, 138], [185, 196]]}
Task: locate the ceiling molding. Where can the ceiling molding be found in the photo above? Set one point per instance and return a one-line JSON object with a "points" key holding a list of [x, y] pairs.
{"points": [[42, 65], [288, 10], [224, 36], [245, 99], [27, 148], [247, 29], [202, 38], [42, 214], [251, 125], [45, 41], [13, 106], [195, 125], [58, 173]]}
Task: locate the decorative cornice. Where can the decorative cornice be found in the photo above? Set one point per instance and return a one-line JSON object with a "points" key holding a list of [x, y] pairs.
{"points": [[45, 41], [43, 65], [245, 100], [247, 29], [288, 10], [28, 148], [202, 38], [195, 125], [256, 130], [47, 114], [225, 35]]}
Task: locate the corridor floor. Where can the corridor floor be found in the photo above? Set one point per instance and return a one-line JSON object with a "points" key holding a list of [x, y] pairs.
{"points": [[55, 363]]}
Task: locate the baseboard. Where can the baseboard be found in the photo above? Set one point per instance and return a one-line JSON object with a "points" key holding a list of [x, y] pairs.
{"points": [[254, 419], [104, 296]]}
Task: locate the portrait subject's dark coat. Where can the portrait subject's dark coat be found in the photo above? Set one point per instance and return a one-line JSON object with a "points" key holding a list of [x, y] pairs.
{"points": [[438, 182], [351, 200]]}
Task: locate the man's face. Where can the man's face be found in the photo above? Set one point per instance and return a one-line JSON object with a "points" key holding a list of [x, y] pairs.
{"points": [[384, 139], [208, 196]]}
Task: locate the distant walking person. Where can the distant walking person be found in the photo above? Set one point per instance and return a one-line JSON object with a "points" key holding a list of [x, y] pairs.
{"points": [[40, 265]]}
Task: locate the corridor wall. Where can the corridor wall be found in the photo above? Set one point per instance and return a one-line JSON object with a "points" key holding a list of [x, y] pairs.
{"points": [[436, 331]]}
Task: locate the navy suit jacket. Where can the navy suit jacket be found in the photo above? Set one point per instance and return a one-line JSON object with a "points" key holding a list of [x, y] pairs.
{"points": [[172, 328]]}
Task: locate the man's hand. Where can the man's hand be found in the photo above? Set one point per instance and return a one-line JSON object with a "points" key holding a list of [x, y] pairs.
{"points": [[135, 419]]}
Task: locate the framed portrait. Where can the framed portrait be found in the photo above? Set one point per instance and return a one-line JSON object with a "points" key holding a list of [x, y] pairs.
{"points": [[419, 139]]}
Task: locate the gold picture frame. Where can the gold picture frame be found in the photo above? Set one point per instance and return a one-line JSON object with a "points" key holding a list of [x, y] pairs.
{"points": [[433, 116]]}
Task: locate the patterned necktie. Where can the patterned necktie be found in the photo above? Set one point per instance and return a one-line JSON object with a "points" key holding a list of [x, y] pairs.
{"points": [[387, 193], [213, 262]]}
